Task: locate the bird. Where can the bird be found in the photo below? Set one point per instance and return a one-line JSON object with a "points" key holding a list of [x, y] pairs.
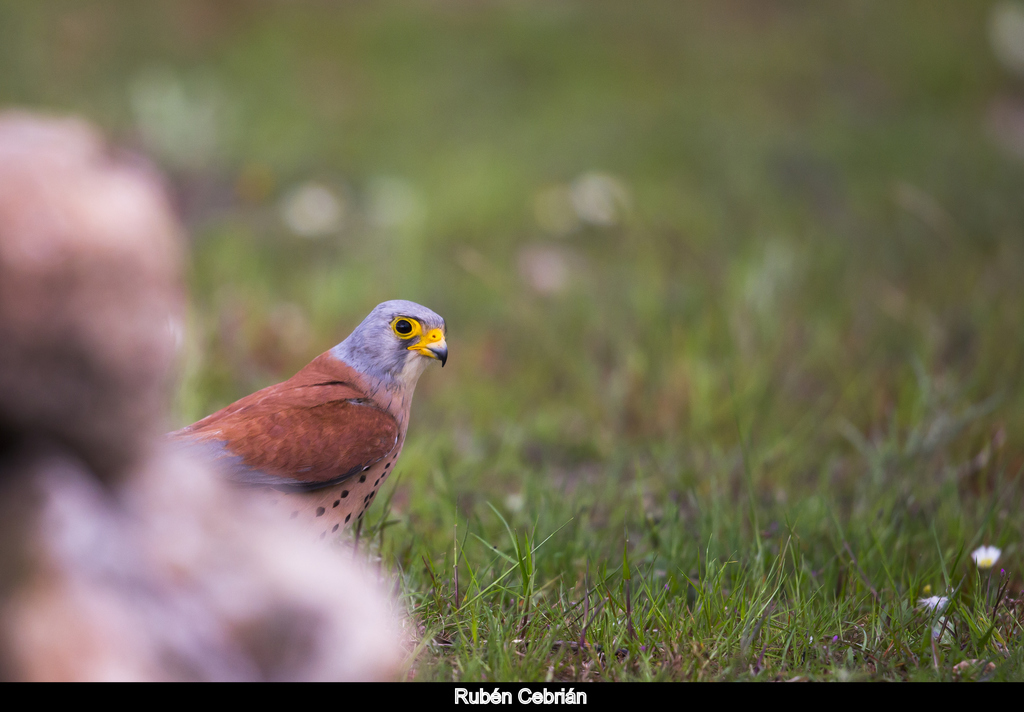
{"points": [[322, 442]]}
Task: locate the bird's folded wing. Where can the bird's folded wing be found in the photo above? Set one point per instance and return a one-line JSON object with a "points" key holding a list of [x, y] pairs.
{"points": [[296, 435]]}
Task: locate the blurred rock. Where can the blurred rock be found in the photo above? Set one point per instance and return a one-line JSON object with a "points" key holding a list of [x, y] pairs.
{"points": [[120, 560], [161, 584], [90, 293]]}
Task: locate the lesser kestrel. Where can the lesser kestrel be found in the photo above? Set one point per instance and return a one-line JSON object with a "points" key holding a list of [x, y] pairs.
{"points": [[323, 441]]}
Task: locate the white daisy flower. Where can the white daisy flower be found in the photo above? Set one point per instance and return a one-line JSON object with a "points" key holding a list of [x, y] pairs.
{"points": [[986, 556]]}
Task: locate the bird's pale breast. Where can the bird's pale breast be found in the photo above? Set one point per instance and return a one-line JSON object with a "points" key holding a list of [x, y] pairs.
{"points": [[328, 510]]}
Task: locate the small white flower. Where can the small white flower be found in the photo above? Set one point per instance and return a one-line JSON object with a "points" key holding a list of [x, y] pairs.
{"points": [[986, 556], [934, 603], [312, 210]]}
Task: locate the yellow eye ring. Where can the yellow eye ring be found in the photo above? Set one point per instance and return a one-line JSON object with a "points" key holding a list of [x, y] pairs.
{"points": [[406, 328]]}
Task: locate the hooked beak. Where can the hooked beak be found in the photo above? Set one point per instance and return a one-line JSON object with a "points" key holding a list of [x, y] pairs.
{"points": [[440, 352], [433, 345]]}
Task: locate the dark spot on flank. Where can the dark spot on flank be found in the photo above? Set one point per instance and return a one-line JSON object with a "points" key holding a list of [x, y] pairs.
{"points": [[336, 502], [373, 493], [294, 514], [377, 482], [361, 515], [323, 533], [344, 494], [335, 528], [320, 511], [387, 466], [362, 478], [347, 517]]}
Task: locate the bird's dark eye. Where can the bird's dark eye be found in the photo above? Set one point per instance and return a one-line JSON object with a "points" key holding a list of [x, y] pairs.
{"points": [[403, 327]]}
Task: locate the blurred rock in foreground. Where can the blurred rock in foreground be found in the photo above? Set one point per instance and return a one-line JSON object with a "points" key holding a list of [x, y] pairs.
{"points": [[177, 578], [119, 560], [90, 293]]}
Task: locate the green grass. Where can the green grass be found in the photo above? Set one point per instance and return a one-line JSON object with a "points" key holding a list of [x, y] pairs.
{"points": [[774, 404]]}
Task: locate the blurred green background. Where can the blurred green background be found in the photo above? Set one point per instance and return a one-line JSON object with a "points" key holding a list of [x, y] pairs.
{"points": [[691, 255], [650, 226]]}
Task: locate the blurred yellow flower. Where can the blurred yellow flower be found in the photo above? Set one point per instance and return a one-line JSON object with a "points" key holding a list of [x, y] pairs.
{"points": [[986, 556]]}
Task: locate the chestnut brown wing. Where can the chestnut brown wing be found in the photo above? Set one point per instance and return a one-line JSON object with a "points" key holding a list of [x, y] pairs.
{"points": [[295, 436]]}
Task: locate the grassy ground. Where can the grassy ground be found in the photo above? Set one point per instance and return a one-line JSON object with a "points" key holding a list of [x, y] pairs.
{"points": [[728, 415]]}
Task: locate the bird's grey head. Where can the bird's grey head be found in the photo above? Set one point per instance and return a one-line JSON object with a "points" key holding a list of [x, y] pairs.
{"points": [[395, 342]]}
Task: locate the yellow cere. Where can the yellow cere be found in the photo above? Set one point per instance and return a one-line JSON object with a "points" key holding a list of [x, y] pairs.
{"points": [[434, 336]]}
